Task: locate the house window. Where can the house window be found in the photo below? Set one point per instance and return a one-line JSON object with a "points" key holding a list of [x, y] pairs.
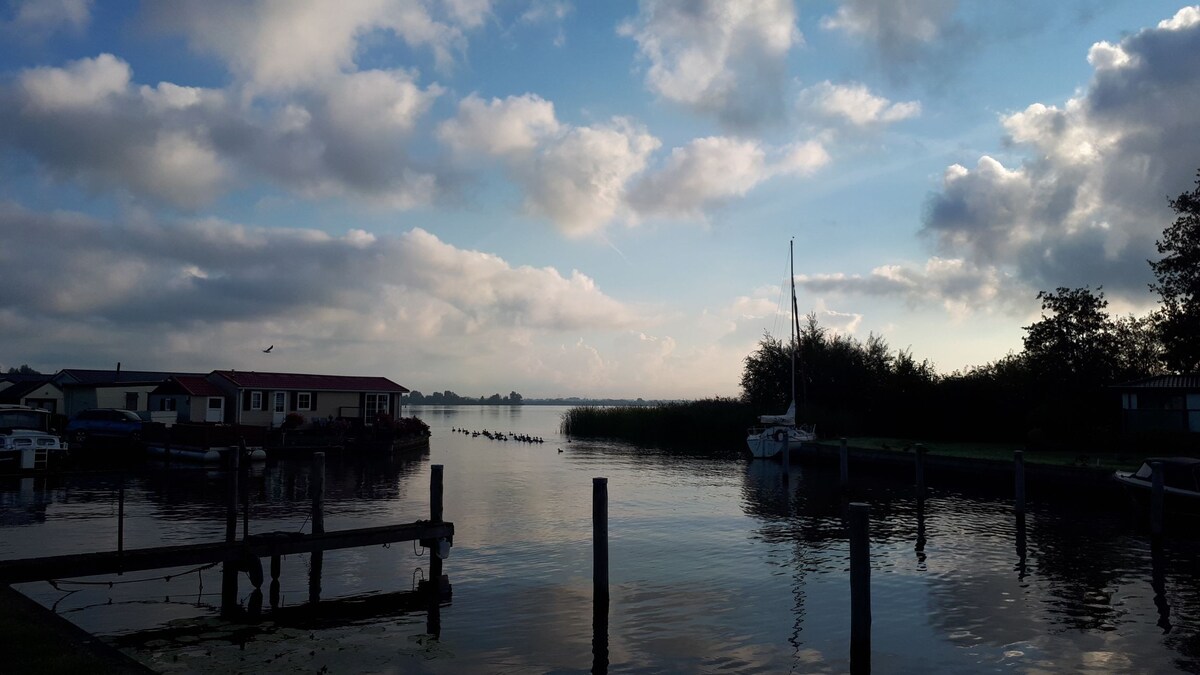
{"points": [[131, 400], [167, 404], [256, 400], [303, 401], [376, 403]]}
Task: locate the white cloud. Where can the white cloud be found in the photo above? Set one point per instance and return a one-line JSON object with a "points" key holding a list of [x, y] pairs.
{"points": [[184, 146], [220, 288], [1088, 203], [579, 180], [38, 19], [719, 57], [708, 172], [900, 29], [854, 104], [81, 84], [517, 124], [258, 40]]}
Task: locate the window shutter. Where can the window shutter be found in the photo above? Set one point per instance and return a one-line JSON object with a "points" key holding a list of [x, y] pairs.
{"points": [[293, 398], [245, 394], [312, 401], [362, 405]]}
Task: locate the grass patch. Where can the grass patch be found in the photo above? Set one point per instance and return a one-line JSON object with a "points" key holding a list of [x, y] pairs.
{"points": [[998, 451]]}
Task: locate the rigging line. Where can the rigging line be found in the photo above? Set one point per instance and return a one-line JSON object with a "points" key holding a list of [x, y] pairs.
{"points": [[110, 584]]}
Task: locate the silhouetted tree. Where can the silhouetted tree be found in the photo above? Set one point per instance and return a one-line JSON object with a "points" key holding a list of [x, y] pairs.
{"points": [[23, 370], [1178, 274], [1073, 345]]}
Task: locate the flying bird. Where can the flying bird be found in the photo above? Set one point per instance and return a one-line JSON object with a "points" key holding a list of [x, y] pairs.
{"points": [[268, 349]]}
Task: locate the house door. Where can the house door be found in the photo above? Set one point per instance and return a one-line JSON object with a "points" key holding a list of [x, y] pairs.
{"points": [[278, 407], [216, 410]]}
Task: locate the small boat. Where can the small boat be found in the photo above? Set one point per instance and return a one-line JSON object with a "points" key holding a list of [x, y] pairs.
{"points": [[26, 440], [1181, 482], [776, 433]]}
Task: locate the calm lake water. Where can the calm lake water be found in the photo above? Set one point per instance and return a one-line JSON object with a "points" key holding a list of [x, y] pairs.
{"points": [[716, 566]]}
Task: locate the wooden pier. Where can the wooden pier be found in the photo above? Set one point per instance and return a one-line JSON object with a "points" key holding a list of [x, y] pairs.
{"points": [[256, 546]]}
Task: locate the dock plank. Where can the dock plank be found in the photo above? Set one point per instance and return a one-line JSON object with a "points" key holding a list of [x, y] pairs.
{"points": [[285, 543]]}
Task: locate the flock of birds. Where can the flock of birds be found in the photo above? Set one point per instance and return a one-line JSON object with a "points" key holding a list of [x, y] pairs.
{"points": [[499, 435]]}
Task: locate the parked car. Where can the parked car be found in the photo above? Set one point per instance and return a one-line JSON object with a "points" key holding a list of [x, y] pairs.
{"points": [[105, 423]]}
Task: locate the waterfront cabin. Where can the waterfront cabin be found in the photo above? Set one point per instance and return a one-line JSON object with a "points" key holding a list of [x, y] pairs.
{"points": [[125, 389], [34, 391], [268, 399], [188, 398], [1163, 407]]}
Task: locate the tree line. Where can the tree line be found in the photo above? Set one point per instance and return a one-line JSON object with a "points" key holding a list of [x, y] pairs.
{"points": [[1055, 391], [450, 398]]}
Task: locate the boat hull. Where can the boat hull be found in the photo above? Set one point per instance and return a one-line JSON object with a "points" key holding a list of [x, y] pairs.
{"points": [[772, 441]]}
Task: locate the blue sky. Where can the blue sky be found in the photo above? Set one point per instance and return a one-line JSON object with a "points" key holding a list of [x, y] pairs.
{"points": [[574, 198]]}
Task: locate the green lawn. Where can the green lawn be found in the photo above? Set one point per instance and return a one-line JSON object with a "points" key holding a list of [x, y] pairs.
{"points": [[998, 451]]}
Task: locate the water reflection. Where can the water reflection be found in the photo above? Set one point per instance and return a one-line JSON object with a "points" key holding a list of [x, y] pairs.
{"points": [[718, 565]]}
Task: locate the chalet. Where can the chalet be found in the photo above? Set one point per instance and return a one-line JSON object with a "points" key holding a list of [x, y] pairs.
{"points": [[266, 399], [34, 391], [127, 389], [1164, 403], [188, 398]]}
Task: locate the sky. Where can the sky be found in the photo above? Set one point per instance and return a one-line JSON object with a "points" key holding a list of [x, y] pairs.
{"points": [[569, 198]]}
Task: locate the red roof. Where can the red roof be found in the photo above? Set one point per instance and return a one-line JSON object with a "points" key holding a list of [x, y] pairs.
{"points": [[195, 385], [302, 382]]}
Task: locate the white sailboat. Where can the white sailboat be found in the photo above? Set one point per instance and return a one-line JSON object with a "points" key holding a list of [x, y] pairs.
{"points": [[778, 432]]}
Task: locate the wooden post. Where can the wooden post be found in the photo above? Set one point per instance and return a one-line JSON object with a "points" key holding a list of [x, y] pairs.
{"points": [[316, 490], [1019, 480], [844, 464], [1157, 494], [600, 540], [436, 496], [121, 515], [276, 564], [229, 571], [919, 455], [860, 589], [244, 484]]}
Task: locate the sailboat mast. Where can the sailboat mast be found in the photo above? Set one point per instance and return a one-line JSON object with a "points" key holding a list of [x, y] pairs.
{"points": [[795, 327]]}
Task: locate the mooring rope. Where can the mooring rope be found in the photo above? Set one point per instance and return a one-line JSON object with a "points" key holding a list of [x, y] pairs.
{"points": [[55, 582]]}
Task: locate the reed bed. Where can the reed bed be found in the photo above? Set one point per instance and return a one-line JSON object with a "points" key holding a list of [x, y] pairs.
{"points": [[708, 425]]}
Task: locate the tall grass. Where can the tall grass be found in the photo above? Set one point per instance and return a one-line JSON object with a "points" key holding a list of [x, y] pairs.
{"points": [[709, 425]]}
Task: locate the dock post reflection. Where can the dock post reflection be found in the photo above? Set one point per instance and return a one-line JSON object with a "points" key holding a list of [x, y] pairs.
{"points": [[920, 546], [1022, 568], [860, 589], [1158, 581], [316, 489], [1156, 498], [1019, 481], [600, 574]]}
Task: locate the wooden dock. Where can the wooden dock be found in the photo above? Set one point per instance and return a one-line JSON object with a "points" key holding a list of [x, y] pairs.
{"points": [[257, 546]]}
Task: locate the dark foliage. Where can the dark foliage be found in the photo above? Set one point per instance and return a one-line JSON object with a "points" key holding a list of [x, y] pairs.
{"points": [[1178, 274]]}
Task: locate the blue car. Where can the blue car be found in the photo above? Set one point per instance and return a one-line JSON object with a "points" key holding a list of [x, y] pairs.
{"points": [[105, 423]]}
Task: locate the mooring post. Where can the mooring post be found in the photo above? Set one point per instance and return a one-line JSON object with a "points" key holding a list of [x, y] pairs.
{"points": [[316, 490], [860, 589], [844, 464], [121, 516], [436, 496], [276, 564], [1019, 480], [1156, 498], [600, 540], [229, 570], [244, 484], [919, 455]]}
